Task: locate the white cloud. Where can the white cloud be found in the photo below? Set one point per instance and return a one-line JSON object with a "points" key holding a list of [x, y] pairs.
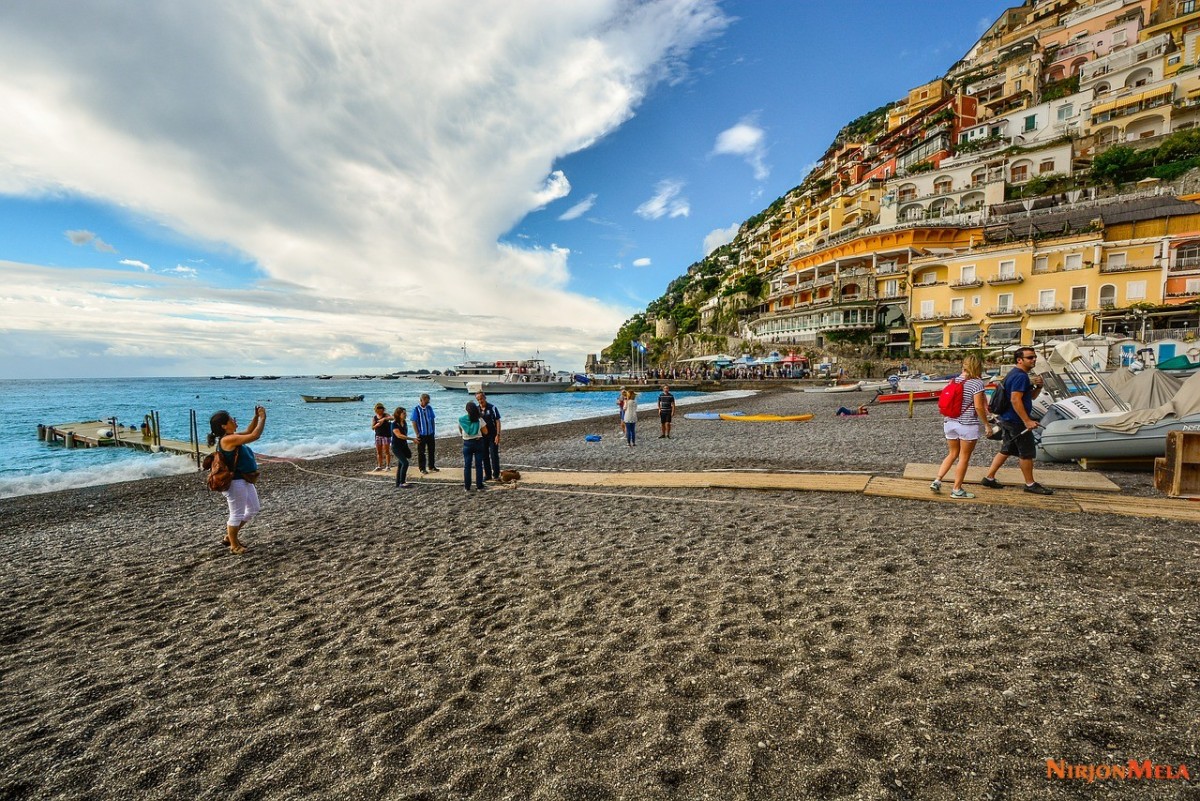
{"points": [[641, 262], [666, 202], [720, 236], [135, 263], [80, 237], [180, 269], [746, 140], [333, 144], [579, 209]]}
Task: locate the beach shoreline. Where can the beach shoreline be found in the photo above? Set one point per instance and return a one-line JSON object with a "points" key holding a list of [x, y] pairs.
{"points": [[575, 643]]}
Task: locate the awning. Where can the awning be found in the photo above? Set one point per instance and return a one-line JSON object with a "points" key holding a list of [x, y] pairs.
{"points": [[1053, 322], [1129, 100]]}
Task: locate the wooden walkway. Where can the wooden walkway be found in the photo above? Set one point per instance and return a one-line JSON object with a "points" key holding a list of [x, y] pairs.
{"points": [[101, 434]]}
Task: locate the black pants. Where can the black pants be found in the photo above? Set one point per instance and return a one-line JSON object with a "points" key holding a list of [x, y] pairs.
{"points": [[425, 444], [491, 458]]}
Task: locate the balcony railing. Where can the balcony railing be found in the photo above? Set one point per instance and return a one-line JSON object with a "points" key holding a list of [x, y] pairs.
{"points": [[1006, 278], [898, 295], [1003, 311], [1184, 293], [1127, 268], [966, 283], [1185, 264], [1044, 308], [890, 269], [925, 318], [955, 315], [1078, 305]]}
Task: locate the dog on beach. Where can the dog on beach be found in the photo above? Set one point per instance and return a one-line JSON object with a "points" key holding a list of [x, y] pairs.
{"points": [[509, 476]]}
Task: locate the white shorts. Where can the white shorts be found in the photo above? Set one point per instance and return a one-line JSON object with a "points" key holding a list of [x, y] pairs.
{"points": [[957, 430]]}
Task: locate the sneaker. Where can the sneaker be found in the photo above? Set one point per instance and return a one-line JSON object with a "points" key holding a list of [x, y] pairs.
{"points": [[991, 483], [662, 436], [434, 470], [481, 488], [936, 485], [405, 485], [1038, 489], [960, 493]]}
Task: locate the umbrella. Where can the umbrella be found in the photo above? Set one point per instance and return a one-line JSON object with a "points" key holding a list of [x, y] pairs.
{"points": [[792, 358]]}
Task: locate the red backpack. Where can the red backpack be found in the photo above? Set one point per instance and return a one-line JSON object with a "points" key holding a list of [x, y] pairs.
{"points": [[950, 399]]}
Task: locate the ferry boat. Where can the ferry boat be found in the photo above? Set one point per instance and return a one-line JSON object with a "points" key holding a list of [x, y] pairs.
{"points": [[512, 377]]}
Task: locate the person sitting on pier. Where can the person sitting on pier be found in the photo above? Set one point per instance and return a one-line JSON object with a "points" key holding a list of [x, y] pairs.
{"points": [[242, 495]]}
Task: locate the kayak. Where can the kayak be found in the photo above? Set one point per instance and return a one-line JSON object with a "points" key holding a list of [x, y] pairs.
{"points": [[768, 418], [710, 415], [903, 397]]}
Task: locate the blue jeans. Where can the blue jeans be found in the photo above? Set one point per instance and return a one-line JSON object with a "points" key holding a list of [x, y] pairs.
{"points": [[631, 433], [473, 451]]}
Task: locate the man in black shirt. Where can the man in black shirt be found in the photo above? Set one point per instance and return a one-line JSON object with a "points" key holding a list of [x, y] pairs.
{"points": [[491, 438], [666, 408]]}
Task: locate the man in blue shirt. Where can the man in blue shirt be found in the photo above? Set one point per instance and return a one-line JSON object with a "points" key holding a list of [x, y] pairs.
{"points": [[491, 438], [423, 424], [1017, 424], [666, 408]]}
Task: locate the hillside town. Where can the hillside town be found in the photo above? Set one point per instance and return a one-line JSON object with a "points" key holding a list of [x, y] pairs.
{"points": [[1044, 188]]}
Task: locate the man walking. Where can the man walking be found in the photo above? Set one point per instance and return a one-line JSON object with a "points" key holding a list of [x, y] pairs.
{"points": [[666, 408], [1017, 424], [491, 438], [423, 423]]}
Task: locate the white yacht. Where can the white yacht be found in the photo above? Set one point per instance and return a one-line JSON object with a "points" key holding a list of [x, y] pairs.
{"points": [[520, 376]]}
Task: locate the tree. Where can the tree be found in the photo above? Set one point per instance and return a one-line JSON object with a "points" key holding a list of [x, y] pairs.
{"points": [[1110, 165]]}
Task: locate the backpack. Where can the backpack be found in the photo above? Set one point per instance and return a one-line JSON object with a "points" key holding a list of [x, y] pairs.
{"points": [[950, 399], [220, 475], [1000, 401]]}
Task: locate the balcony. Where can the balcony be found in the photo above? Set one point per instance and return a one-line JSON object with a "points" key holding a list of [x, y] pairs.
{"points": [[1003, 311], [1044, 308], [1129, 268], [900, 294], [967, 283], [1005, 278], [1184, 293], [1185, 264], [925, 318], [930, 283], [891, 269], [955, 315], [1078, 305]]}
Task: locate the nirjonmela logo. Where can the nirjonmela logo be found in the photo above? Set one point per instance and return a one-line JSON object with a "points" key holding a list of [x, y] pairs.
{"points": [[1133, 770]]}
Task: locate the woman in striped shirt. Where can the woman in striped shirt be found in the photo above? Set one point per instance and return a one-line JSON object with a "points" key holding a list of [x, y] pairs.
{"points": [[962, 432]]}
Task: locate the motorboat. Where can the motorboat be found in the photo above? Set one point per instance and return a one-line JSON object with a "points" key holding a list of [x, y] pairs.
{"points": [[510, 377], [331, 398], [1095, 421]]}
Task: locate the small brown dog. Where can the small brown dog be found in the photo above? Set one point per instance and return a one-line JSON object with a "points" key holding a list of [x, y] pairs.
{"points": [[509, 476]]}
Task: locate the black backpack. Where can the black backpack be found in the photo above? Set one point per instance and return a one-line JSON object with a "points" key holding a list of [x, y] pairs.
{"points": [[1000, 401]]}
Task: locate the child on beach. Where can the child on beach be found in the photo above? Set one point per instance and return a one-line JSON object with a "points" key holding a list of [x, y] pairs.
{"points": [[629, 414], [381, 424], [242, 495], [962, 432], [400, 447]]}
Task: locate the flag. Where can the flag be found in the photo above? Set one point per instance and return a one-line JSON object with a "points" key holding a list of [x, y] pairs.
{"points": [[637, 344]]}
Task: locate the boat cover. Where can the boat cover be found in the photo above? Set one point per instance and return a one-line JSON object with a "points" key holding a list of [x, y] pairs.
{"points": [[1185, 403], [1149, 389]]}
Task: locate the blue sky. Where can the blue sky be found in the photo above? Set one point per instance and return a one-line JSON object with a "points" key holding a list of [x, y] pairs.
{"points": [[236, 188]]}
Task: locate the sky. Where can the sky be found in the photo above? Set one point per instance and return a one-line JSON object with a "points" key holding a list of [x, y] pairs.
{"points": [[269, 187]]}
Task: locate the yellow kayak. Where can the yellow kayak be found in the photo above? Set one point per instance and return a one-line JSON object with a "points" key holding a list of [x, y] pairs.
{"points": [[768, 418]]}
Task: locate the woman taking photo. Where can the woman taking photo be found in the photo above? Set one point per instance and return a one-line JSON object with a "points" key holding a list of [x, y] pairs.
{"points": [[242, 495], [381, 424], [472, 428], [962, 432], [400, 447]]}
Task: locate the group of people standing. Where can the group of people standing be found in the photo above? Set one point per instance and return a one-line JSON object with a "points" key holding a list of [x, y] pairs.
{"points": [[1016, 425], [627, 406], [479, 428]]}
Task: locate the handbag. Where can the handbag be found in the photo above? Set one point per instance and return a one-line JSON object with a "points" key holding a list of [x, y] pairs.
{"points": [[220, 475]]}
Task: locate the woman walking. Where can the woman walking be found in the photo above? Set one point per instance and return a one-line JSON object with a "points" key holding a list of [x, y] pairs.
{"points": [[400, 447], [962, 432], [381, 424], [472, 428], [242, 495], [630, 414]]}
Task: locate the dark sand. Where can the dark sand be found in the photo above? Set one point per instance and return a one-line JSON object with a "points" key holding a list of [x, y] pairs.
{"points": [[596, 644]]}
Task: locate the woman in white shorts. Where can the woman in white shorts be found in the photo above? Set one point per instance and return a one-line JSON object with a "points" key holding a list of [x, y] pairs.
{"points": [[963, 432]]}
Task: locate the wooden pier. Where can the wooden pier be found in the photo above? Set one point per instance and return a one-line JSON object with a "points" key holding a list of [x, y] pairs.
{"points": [[108, 433]]}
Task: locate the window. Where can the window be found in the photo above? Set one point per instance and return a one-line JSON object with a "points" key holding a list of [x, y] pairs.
{"points": [[994, 131], [1004, 334], [891, 288], [974, 300], [1191, 286], [931, 337], [1004, 302], [1119, 36], [942, 185], [1045, 298], [1041, 264], [1116, 261], [965, 336], [1031, 120], [1020, 174], [1066, 111], [1078, 298], [1073, 261], [1135, 290], [968, 274], [927, 308], [1008, 268], [1187, 7], [1108, 296], [1046, 166], [958, 306], [1017, 85], [929, 278]]}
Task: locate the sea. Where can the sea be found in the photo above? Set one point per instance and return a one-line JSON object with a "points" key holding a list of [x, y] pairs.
{"points": [[294, 429]]}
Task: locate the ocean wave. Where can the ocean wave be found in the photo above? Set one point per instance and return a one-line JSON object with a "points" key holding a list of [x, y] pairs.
{"points": [[149, 466], [314, 448]]}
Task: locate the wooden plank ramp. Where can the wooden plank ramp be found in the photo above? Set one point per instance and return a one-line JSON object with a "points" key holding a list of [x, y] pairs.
{"points": [[1011, 477], [91, 434], [1165, 508], [806, 482], [1012, 496]]}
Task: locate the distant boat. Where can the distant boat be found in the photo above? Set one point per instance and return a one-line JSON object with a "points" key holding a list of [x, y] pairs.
{"points": [[215, 378], [245, 378], [524, 377], [324, 377], [364, 377], [331, 398], [388, 377], [268, 378]]}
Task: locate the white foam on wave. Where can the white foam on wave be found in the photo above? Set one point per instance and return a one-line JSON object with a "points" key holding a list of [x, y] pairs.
{"points": [[313, 448], [148, 466]]}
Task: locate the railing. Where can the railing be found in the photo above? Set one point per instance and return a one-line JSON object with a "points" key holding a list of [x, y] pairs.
{"points": [[1184, 293], [1044, 308], [1125, 268], [953, 315], [1014, 278], [1003, 311], [900, 295], [967, 283], [1079, 305], [891, 270], [1185, 264], [925, 318]]}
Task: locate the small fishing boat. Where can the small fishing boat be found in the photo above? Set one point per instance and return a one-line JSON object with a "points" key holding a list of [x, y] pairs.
{"points": [[709, 415], [768, 418], [331, 398], [268, 378], [904, 397], [324, 377]]}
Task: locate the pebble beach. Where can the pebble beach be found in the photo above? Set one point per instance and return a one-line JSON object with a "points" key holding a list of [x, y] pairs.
{"points": [[536, 642]]}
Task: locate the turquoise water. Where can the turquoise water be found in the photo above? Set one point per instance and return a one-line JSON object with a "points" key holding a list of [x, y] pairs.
{"points": [[295, 429]]}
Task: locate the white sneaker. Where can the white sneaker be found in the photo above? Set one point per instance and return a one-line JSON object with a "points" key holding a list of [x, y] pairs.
{"points": [[936, 486]]}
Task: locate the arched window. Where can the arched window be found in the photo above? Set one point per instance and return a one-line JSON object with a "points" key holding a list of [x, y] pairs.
{"points": [[907, 192], [912, 213], [978, 176], [943, 185], [1108, 296], [1101, 89]]}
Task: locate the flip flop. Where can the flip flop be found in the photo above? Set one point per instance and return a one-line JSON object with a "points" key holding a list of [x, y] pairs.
{"points": [[239, 549]]}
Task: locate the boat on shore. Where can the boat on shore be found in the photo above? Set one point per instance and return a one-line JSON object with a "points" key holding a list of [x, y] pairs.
{"points": [[331, 398], [508, 377]]}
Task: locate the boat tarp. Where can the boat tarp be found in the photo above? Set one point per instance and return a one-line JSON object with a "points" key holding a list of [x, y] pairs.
{"points": [[1150, 389], [1185, 403]]}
